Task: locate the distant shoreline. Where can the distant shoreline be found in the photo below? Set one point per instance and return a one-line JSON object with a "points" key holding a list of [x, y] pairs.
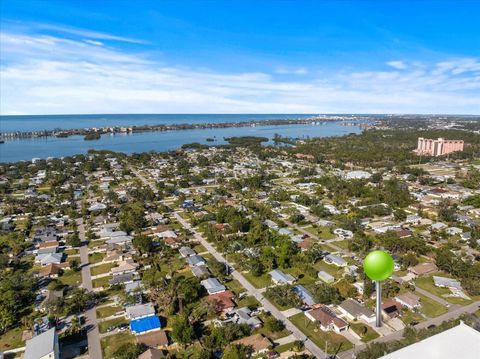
{"points": [[176, 127]]}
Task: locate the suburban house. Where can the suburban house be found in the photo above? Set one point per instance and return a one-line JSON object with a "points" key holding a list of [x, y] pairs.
{"points": [[353, 310], [139, 311], [222, 301], [151, 354], [200, 271], [304, 294], [444, 282], [327, 319], [423, 269], [327, 278], [186, 252], [408, 300], [278, 277], [43, 346], [257, 342], [212, 285], [336, 260], [196, 260], [244, 316]]}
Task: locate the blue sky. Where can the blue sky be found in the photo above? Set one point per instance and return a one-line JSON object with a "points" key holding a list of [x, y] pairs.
{"points": [[240, 57]]}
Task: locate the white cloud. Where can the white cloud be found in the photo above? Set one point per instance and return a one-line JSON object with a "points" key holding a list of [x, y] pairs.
{"points": [[51, 75], [291, 70], [399, 65]]}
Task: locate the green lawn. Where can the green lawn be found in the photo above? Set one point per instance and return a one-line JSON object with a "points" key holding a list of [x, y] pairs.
{"points": [[329, 268], [367, 335], [235, 286], [11, 339], [71, 251], [258, 282], [108, 311], [95, 243], [101, 282], [336, 342], [95, 257], [249, 301], [428, 284], [341, 244], [102, 268], [112, 343], [71, 277], [199, 248], [103, 326], [408, 316], [430, 308]]}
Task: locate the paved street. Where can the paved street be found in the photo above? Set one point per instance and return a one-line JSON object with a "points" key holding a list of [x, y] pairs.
{"points": [[93, 336], [455, 313], [311, 346]]}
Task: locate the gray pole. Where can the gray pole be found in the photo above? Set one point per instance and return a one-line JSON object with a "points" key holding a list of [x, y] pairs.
{"points": [[378, 309]]}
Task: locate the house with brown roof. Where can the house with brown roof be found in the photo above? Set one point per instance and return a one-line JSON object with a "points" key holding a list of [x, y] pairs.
{"points": [[152, 354], [222, 301], [408, 300], [124, 268], [153, 339], [257, 342], [326, 319], [391, 308], [423, 269], [53, 270]]}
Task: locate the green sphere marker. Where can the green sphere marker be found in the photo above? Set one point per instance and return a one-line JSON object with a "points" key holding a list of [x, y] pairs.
{"points": [[378, 265]]}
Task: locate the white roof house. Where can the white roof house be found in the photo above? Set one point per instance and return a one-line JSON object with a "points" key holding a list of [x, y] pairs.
{"points": [[327, 278], [278, 277], [212, 285], [447, 282], [461, 341], [166, 234], [139, 311], [42, 346], [196, 260], [357, 175], [334, 259]]}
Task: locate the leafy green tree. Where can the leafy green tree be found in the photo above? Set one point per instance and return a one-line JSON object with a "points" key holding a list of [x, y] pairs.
{"points": [[326, 294], [143, 244], [236, 351], [128, 351], [132, 217], [182, 331]]}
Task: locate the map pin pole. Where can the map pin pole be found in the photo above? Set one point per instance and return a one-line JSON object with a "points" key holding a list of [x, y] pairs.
{"points": [[378, 309]]}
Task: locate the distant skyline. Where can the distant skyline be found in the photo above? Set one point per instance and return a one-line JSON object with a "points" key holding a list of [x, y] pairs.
{"points": [[78, 57]]}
